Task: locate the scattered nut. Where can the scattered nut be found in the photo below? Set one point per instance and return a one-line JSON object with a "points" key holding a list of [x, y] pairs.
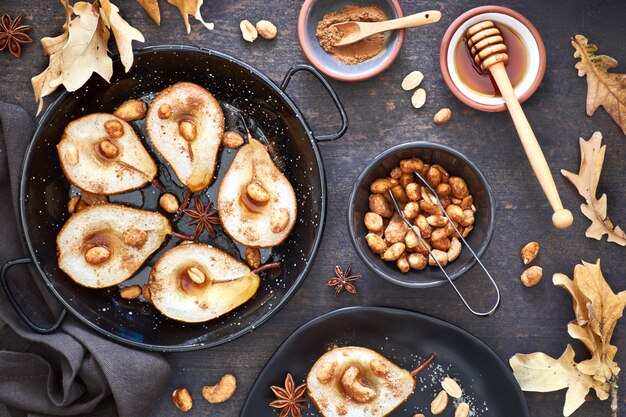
{"points": [[468, 218], [442, 116], [97, 255], [182, 399], [440, 403], [532, 276], [419, 98], [248, 31], [376, 243], [145, 291], [135, 237], [437, 220], [253, 257], [71, 205], [455, 249], [325, 372], [187, 129], [131, 292], [257, 193], [130, 110], [114, 128], [403, 263], [196, 275], [351, 382], [165, 111], [266, 29], [394, 252], [72, 155], [279, 220], [462, 410], [221, 391], [529, 252], [108, 149], [232, 139], [379, 368], [450, 386], [412, 80], [169, 203], [373, 222]]}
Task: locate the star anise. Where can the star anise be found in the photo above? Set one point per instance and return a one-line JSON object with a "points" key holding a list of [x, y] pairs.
{"points": [[13, 34], [204, 217], [290, 399], [343, 280]]}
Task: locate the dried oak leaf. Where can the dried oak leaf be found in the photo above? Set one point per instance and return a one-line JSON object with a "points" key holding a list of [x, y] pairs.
{"points": [[124, 33], [603, 88], [190, 7], [152, 7], [586, 182], [539, 372]]}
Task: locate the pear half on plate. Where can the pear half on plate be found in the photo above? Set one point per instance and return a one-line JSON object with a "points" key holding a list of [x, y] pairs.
{"points": [[256, 202], [101, 154], [354, 381], [185, 124], [196, 282], [105, 244]]}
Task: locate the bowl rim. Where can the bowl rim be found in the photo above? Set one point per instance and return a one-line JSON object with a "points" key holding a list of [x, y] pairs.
{"points": [[308, 52], [445, 45], [374, 163]]}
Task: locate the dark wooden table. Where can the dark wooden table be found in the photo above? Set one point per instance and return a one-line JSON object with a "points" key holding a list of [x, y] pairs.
{"points": [[381, 116]]}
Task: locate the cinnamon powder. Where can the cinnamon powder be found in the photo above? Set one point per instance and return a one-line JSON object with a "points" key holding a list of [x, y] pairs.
{"points": [[357, 52]]}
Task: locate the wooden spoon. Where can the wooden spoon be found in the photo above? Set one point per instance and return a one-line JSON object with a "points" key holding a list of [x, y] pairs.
{"points": [[355, 31], [489, 51]]}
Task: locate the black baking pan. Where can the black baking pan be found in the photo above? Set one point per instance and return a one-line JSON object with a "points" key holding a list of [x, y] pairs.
{"points": [[273, 118], [406, 338]]}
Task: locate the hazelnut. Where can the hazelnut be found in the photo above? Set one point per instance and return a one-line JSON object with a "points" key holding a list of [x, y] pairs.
{"points": [[169, 203], [196, 275], [442, 116], [279, 220], [182, 399], [232, 140], [97, 255], [135, 237], [72, 155], [131, 292], [165, 111], [529, 252], [114, 129], [532, 276], [133, 109], [266, 29], [257, 193], [253, 257], [187, 129], [108, 149]]}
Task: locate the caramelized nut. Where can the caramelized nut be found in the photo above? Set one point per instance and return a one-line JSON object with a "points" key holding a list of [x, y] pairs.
{"points": [[381, 185], [440, 403], [257, 193], [130, 110], [182, 399], [437, 220], [403, 263], [417, 261], [376, 243], [71, 205], [455, 212], [279, 220], [468, 218], [532, 276], [373, 222], [440, 255], [394, 252], [413, 191], [441, 244], [114, 129], [221, 391], [131, 292], [442, 116], [455, 249], [232, 140], [266, 29], [443, 190], [379, 368], [529, 252], [433, 176], [196, 275], [145, 291], [379, 205], [467, 202], [80, 206], [411, 240], [406, 179], [165, 111], [399, 194], [108, 149], [411, 210], [396, 230], [445, 177], [253, 257], [430, 208], [425, 228], [97, 255], [409, 166], [459, 187], [395, 173], [462, 410], [169, 203], [325, 372], [72, 155], [187, 129], [351, 381], [135, 237]]}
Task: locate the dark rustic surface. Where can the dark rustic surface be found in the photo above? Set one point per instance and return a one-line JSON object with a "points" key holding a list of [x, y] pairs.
{"points": [[381, 116]]}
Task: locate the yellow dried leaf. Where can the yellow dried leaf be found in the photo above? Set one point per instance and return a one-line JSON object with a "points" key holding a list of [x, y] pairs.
{"points": [[86, 49], [152, 7], [124, 33], [539, 372], [603, 88], [190, 7], [586, 182]]}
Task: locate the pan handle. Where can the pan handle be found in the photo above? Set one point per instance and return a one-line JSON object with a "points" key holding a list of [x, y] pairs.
{"points": [[17, 307], [331, 92]]}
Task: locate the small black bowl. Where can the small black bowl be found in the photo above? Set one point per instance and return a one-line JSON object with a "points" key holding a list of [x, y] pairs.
{"points": [[456, 164]]}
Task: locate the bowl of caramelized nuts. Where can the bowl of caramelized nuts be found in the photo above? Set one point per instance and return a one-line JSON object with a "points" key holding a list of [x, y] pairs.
{"points": [[383, 240]]}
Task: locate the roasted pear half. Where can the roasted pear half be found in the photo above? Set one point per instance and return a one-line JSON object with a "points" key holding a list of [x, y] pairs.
{"points": [[185, 124], [256, 202], [354, 381], [197, 282], [105, 244], [101, 153]]}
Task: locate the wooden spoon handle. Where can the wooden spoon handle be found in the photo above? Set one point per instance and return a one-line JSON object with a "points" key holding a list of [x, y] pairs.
{"points": [[419, 19], [562, 218]]}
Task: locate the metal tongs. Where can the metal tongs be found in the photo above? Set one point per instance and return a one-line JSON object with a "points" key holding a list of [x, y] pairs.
{"points": [[419, 236]]}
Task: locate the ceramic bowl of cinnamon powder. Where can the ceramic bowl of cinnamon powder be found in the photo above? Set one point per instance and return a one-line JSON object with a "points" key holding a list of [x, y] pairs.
{"points": [[362, 60]]}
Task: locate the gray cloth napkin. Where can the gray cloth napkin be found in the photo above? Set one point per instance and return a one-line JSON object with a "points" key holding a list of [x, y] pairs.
{"points": [[72, 372]]}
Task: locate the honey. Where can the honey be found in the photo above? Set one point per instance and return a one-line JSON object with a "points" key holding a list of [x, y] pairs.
{"points": [[480, 81]]}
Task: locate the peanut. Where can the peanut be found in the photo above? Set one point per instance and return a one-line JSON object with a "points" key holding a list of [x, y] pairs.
{"points": [[468, 218], [169, 203], [382, 185], [279, 220], [442, 116], [440, 403], [187, 129], [379, 205], [451, 387], [418, 98], [165, 111], [196, 275], [379, 368], [412, 80], [459, 187], [394, 252], [221, 391], [266, 29], [396, 230], [325, 372], [433, 176], [532, 276], [413, 191], [182, 399], [376, 243], [97, 255], [443, 189], [135, 237], [253, 257], [441, 244], [130, 110], [248, 31], [131, 292], [114, 128], [455, 213], [440, 256], [108, 149], [395, 173], [409, 166], [399, 194], [529, 252], [403, 263], [406, 179], [232, 140], [257, 193], [373, 222], [437, 220], [411, 210], [462, 410], [417, 261]]}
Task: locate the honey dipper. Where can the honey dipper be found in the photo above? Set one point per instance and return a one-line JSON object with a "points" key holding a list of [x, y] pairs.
{"points": [[489, 52]]}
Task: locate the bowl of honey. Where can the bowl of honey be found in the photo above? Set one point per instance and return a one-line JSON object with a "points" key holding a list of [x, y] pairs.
{"points": [[475, 87]]}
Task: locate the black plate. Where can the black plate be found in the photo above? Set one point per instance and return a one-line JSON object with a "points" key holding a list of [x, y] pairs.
{"points": [[406, 338]]}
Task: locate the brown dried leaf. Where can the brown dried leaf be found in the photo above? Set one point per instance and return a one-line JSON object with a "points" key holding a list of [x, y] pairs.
{"points": [[586, 182], [190, 7], [152, 7], [124, 33], [603, 88]]}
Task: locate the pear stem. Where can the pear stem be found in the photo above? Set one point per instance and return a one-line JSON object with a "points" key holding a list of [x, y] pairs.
{"points": [[245, 126], [266, 267], [157, 184], [424, 365], [183, 237]]}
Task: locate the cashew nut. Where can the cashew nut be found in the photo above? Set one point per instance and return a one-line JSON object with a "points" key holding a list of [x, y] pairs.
{"points": [[325, 372], [455, 249], [221, 391], [352, 385]]}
